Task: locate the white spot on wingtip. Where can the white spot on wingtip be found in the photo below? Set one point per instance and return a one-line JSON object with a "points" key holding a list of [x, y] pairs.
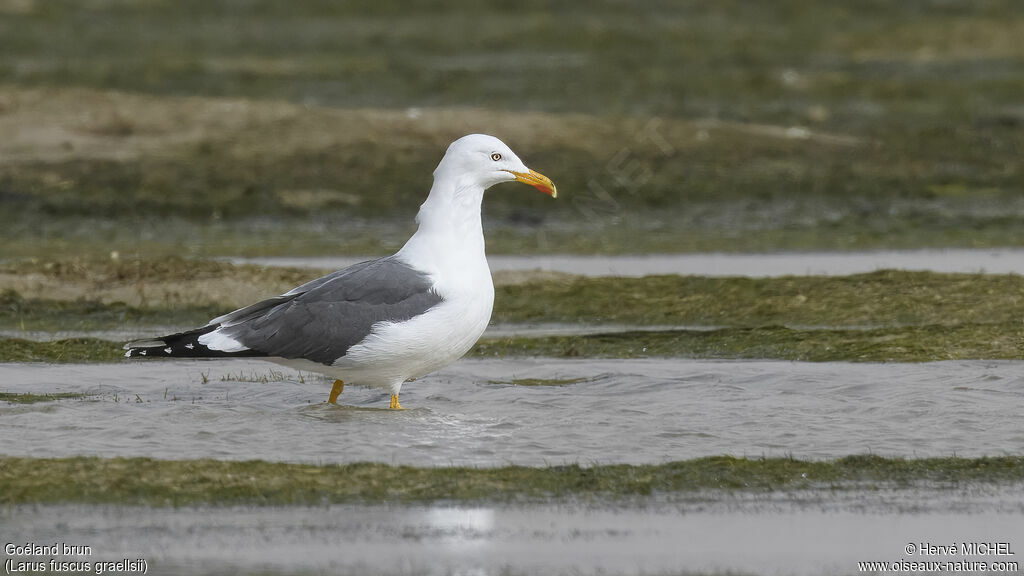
{"points": [[217, 341], [142, 352], [189, 346], [167, 350]]}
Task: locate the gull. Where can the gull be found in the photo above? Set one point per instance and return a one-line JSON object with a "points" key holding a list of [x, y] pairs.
{"points": [[382, 322]]}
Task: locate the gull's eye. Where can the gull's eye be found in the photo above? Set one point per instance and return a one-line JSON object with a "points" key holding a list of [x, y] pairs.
{"points": [[495, 156]]}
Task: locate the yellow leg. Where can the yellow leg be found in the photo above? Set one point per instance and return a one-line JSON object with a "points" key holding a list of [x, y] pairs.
{"points": [[394, 403], [336, 391]]}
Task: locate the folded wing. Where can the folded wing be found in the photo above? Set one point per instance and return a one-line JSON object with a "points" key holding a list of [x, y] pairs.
{"points": [[318, 321]]}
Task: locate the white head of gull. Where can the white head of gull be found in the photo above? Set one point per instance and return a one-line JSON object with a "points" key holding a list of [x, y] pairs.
{"points": [[385, 321]]}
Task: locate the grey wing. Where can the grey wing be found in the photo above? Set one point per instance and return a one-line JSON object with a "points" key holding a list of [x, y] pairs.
{"points": [[333, 313]]}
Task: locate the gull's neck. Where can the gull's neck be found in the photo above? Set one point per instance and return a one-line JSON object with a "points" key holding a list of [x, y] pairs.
{"points": [[450, 238]]}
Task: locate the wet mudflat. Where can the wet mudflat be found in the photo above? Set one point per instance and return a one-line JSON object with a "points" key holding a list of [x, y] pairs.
{"points": [[526, 411], [960, 260], [768, 534], [856, 126]]}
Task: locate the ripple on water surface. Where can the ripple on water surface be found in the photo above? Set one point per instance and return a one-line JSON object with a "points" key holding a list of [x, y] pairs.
{"points": [[526, 411]]}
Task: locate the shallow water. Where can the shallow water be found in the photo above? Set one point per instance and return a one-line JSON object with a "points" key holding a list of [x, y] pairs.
{"points": [[629, 411], [750, 537], [990, 261]]}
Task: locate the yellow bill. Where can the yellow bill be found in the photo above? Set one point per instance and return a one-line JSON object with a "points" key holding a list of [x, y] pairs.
{"points": [[537, 180]]}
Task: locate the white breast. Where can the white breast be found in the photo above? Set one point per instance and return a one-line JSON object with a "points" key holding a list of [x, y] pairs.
{"points": [[394, 352]]}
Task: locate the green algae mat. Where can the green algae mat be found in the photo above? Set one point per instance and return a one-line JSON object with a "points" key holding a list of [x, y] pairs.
{"points": [[130, 481], [880, 316]]}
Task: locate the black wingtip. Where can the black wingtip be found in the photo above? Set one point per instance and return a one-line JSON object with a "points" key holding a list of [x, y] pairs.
{"points": [[180, 345]]}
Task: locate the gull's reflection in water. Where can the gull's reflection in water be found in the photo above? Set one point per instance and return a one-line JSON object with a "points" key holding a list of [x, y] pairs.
{"points": [[460, 529]]}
